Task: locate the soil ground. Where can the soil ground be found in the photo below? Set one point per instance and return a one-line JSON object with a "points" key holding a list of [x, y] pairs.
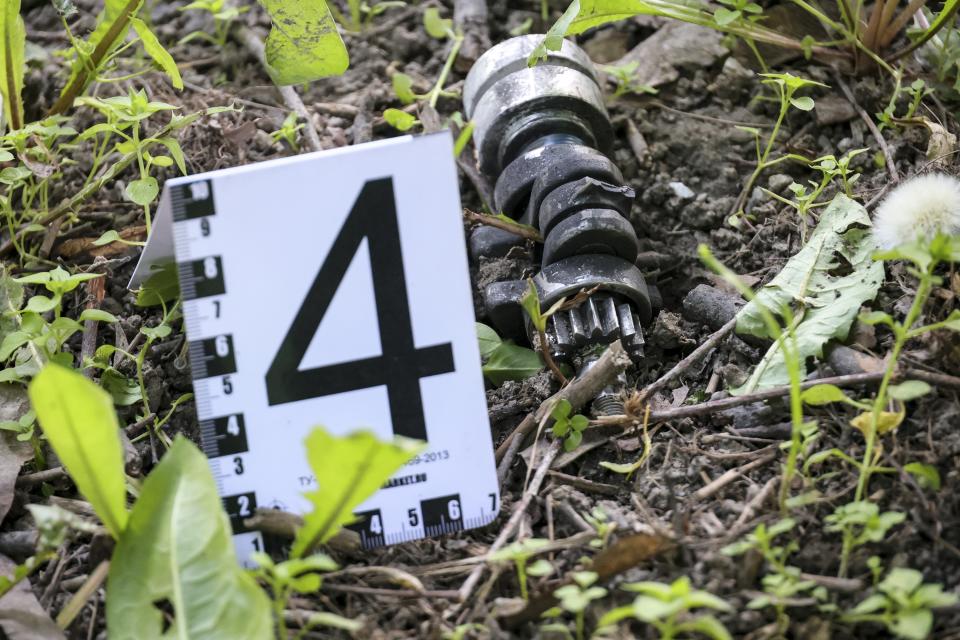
{"points": [[687, 178]]}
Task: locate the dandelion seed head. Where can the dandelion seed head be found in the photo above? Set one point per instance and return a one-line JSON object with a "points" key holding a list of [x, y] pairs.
{"points": [[918, 208]]}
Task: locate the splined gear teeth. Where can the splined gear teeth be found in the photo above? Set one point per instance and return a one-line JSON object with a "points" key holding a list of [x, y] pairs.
{"points": [[543, 133]]}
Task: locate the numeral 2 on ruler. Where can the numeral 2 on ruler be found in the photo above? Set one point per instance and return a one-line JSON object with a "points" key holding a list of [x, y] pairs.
{"points": [[401, 365]]}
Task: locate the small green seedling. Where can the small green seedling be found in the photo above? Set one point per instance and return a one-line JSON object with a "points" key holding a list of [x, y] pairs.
{"points": [[298, 576], [520, 553], [601, 523], [864, 520], [624, 76], [830, 168], [784, 582], [786, 86], [668, 608], [32, 340], [125, 116], [575, 598], [568, 427], [538, 318], [903, 604], [288, 132], [224, 14], [440, 29]]}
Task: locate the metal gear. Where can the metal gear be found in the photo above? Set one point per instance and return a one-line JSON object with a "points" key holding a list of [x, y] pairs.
{"points": [[543, 135]]}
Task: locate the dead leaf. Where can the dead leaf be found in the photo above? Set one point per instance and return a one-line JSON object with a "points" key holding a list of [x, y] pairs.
{"points": [[13, 453], [941, 145], [76, 247], [886, 422], [21, 616]]}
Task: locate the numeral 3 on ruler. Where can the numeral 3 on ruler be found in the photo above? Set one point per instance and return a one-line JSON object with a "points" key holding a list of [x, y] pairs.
{"points": [[401, 365]]}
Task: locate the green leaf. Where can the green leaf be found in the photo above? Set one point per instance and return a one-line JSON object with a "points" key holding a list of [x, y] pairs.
{"points": [[804, 103], [876, 602], [142, 191], [540, 568], [708, 626], [175, 152], [913, 625], [304, 43], [12, 63], [825, 302], [926, 474], [553, 39], [178, 549], [573, 440], [78, 420], [725, 16], [402, 86], [561, 410], [436, 26], [901, 579], [156, 51], [106, 238], [113, 23], [97, 314], [123, 391], [464, 137], [877, 317], [624, 468], [163, 285], [399, 120], [531, 304], [488, 339], [157, 333], [348, 470], [909, 390], [510, 362], [823, 394]]}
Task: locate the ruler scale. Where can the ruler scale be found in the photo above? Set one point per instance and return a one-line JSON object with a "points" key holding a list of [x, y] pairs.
{"points": [[333, 289]]}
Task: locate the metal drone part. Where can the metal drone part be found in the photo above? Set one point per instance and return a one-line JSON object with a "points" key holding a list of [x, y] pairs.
{"points": [[543, 134], [513, 105]]}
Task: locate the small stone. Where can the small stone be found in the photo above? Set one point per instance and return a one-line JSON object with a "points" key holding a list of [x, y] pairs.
{"points": [[779, 182], [681, 190], [833, 110]]}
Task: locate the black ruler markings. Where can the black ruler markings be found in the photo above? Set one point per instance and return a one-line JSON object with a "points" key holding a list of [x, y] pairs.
{"points": [[212, 357]]}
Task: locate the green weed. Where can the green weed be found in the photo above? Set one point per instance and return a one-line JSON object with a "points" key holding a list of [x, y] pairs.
{"points": [[903, 603], [196, 573], [668, 608], [519, 553]]}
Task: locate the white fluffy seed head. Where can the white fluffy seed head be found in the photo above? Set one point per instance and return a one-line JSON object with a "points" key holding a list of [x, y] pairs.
{"points": [[918, 208]]}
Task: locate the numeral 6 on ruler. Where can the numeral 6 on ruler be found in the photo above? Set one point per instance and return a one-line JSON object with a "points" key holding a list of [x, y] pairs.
{"points": [[401, 365]]}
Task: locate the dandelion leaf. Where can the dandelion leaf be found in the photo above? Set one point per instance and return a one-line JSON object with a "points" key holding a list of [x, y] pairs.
{"points": [[348, 469], [824, 285], [175, 564], [12, 62]]}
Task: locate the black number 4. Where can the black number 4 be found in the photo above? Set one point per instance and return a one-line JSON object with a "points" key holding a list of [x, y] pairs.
{"points": [[401, 365]]}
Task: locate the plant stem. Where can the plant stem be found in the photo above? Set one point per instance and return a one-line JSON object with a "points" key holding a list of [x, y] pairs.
{"points": [[79, 82], [901, 335], [762, 158], [457, 39], [548, 357], [796, 414]]}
